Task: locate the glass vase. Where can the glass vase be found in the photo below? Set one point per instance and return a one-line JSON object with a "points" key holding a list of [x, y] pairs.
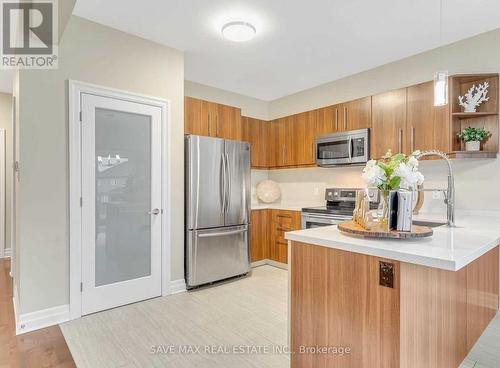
{"points": [[383, 208]]}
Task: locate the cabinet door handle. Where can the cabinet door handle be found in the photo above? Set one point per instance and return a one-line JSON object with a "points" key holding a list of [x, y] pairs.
{"points": [[313, 148], [337, 120], [412, 137], [217, 125], [209, 126], [284, 216], [400, 140], [345, 118]]}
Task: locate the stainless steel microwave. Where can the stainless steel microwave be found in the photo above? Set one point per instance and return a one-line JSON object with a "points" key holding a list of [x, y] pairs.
{"points": [[344, 148]]}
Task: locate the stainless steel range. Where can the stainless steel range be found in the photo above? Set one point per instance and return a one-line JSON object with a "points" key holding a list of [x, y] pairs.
{"points": [[340, 203]]}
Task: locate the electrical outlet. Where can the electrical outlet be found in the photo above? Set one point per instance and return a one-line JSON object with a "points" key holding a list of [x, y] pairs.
{"points": [[386, 274], [436, 195], [316, 191]]}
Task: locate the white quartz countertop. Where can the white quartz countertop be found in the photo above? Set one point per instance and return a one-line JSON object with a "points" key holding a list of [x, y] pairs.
{"points": [[448, 248]]}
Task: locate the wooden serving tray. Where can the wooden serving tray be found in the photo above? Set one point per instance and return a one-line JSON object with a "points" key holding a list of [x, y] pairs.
{"points": [[351, 227]]}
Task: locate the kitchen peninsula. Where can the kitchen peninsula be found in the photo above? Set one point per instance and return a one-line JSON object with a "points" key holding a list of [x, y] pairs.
{"points": [[393, 303]]}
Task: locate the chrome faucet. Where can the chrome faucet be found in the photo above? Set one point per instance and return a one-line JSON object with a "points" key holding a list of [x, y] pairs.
{"points": [[449, 193]]}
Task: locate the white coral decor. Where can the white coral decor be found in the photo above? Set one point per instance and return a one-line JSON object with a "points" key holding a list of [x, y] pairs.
{"points": [[474, 97]]}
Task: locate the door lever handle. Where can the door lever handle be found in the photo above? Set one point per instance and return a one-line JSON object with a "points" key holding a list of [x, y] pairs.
{"points": [[155, 212]]}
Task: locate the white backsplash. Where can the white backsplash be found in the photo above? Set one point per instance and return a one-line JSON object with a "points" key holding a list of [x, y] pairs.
{"points": [[477, 183]]}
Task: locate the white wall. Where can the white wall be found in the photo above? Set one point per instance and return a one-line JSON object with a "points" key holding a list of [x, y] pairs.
{"points": [[95, 54], [477, 181], [474, 55], [251, 107], [6, 123]]}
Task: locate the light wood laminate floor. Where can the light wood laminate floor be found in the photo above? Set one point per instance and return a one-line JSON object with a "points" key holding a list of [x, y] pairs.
{"points": [[43, 348], [247, 312]]}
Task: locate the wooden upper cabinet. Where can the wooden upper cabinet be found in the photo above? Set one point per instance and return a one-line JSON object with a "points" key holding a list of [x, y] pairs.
{"points": [[388, 129], [304, 132], [326, 121], [212, 119], [358, 113], [272, 144], [428, 126], [339, 118], [195, 118], [284, 141], [228, 123], [256, 132]]}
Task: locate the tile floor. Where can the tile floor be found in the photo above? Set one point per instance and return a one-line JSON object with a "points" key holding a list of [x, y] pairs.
{"points": [[486, 351], [248, 312]]}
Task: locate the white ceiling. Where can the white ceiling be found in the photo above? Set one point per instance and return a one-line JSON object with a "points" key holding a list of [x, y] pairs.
{"points": [[299, 44], [6, 81]]}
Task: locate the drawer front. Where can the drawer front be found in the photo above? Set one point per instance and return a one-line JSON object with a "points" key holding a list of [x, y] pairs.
{"points": [[282, 221], [284, 217], [280, 230]]}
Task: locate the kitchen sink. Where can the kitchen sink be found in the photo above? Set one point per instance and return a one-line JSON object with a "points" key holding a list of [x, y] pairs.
{"points": [[428, 223]]}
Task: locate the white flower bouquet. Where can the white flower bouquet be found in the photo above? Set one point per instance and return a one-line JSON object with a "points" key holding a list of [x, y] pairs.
{"points": [[393, 172]]}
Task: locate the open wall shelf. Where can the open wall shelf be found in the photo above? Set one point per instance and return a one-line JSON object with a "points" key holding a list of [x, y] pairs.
{"points": [[486, 117]]}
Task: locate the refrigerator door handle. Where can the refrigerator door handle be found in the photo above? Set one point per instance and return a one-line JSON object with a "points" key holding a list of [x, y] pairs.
{"points": [[228, 183], [222, 183], [197, 199], [224, 233]]}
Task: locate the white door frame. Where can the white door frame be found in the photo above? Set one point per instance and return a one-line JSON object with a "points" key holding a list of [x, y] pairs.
{"points": [[13, 196], [3, 195], [75, 184]]}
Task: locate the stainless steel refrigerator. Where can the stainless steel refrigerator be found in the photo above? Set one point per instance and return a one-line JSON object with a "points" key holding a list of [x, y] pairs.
{"points": [[217, 209]]}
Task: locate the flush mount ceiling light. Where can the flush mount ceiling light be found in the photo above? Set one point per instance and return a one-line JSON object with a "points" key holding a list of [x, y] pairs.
{"points": [[238, 31]]}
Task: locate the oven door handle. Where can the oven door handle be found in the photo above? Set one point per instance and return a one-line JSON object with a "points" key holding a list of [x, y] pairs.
{"points": [[326, 217]]}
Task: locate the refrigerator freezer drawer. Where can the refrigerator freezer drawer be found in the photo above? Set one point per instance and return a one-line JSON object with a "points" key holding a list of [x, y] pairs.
{"points": [[216, 254]]}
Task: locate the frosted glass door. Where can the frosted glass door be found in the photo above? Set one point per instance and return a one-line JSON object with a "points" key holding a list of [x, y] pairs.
{"points": [[121, 166]]}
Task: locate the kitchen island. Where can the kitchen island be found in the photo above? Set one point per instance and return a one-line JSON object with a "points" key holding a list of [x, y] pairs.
{"points": [[357, 302]]}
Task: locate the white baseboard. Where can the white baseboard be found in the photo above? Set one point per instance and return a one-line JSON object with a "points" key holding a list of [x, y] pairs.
{"points": [[6, 253], [262, 262], [270, 262], [15, 302], [43, 318], [177, 286]]}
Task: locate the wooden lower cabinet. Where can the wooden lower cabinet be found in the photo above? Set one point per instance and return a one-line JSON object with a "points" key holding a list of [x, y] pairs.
{"points": [[260, 235], [430, 318], [268, 229], [281, 222]]}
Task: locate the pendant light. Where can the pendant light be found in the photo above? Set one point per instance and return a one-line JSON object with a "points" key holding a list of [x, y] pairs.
{"points": [[441, 77]]}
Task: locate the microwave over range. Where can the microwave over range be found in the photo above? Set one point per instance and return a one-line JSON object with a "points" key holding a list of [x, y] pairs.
{"points": [[344, 148]]}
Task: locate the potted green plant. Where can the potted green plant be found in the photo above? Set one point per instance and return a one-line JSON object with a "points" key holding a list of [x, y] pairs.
{"points": [[473, 138]]}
